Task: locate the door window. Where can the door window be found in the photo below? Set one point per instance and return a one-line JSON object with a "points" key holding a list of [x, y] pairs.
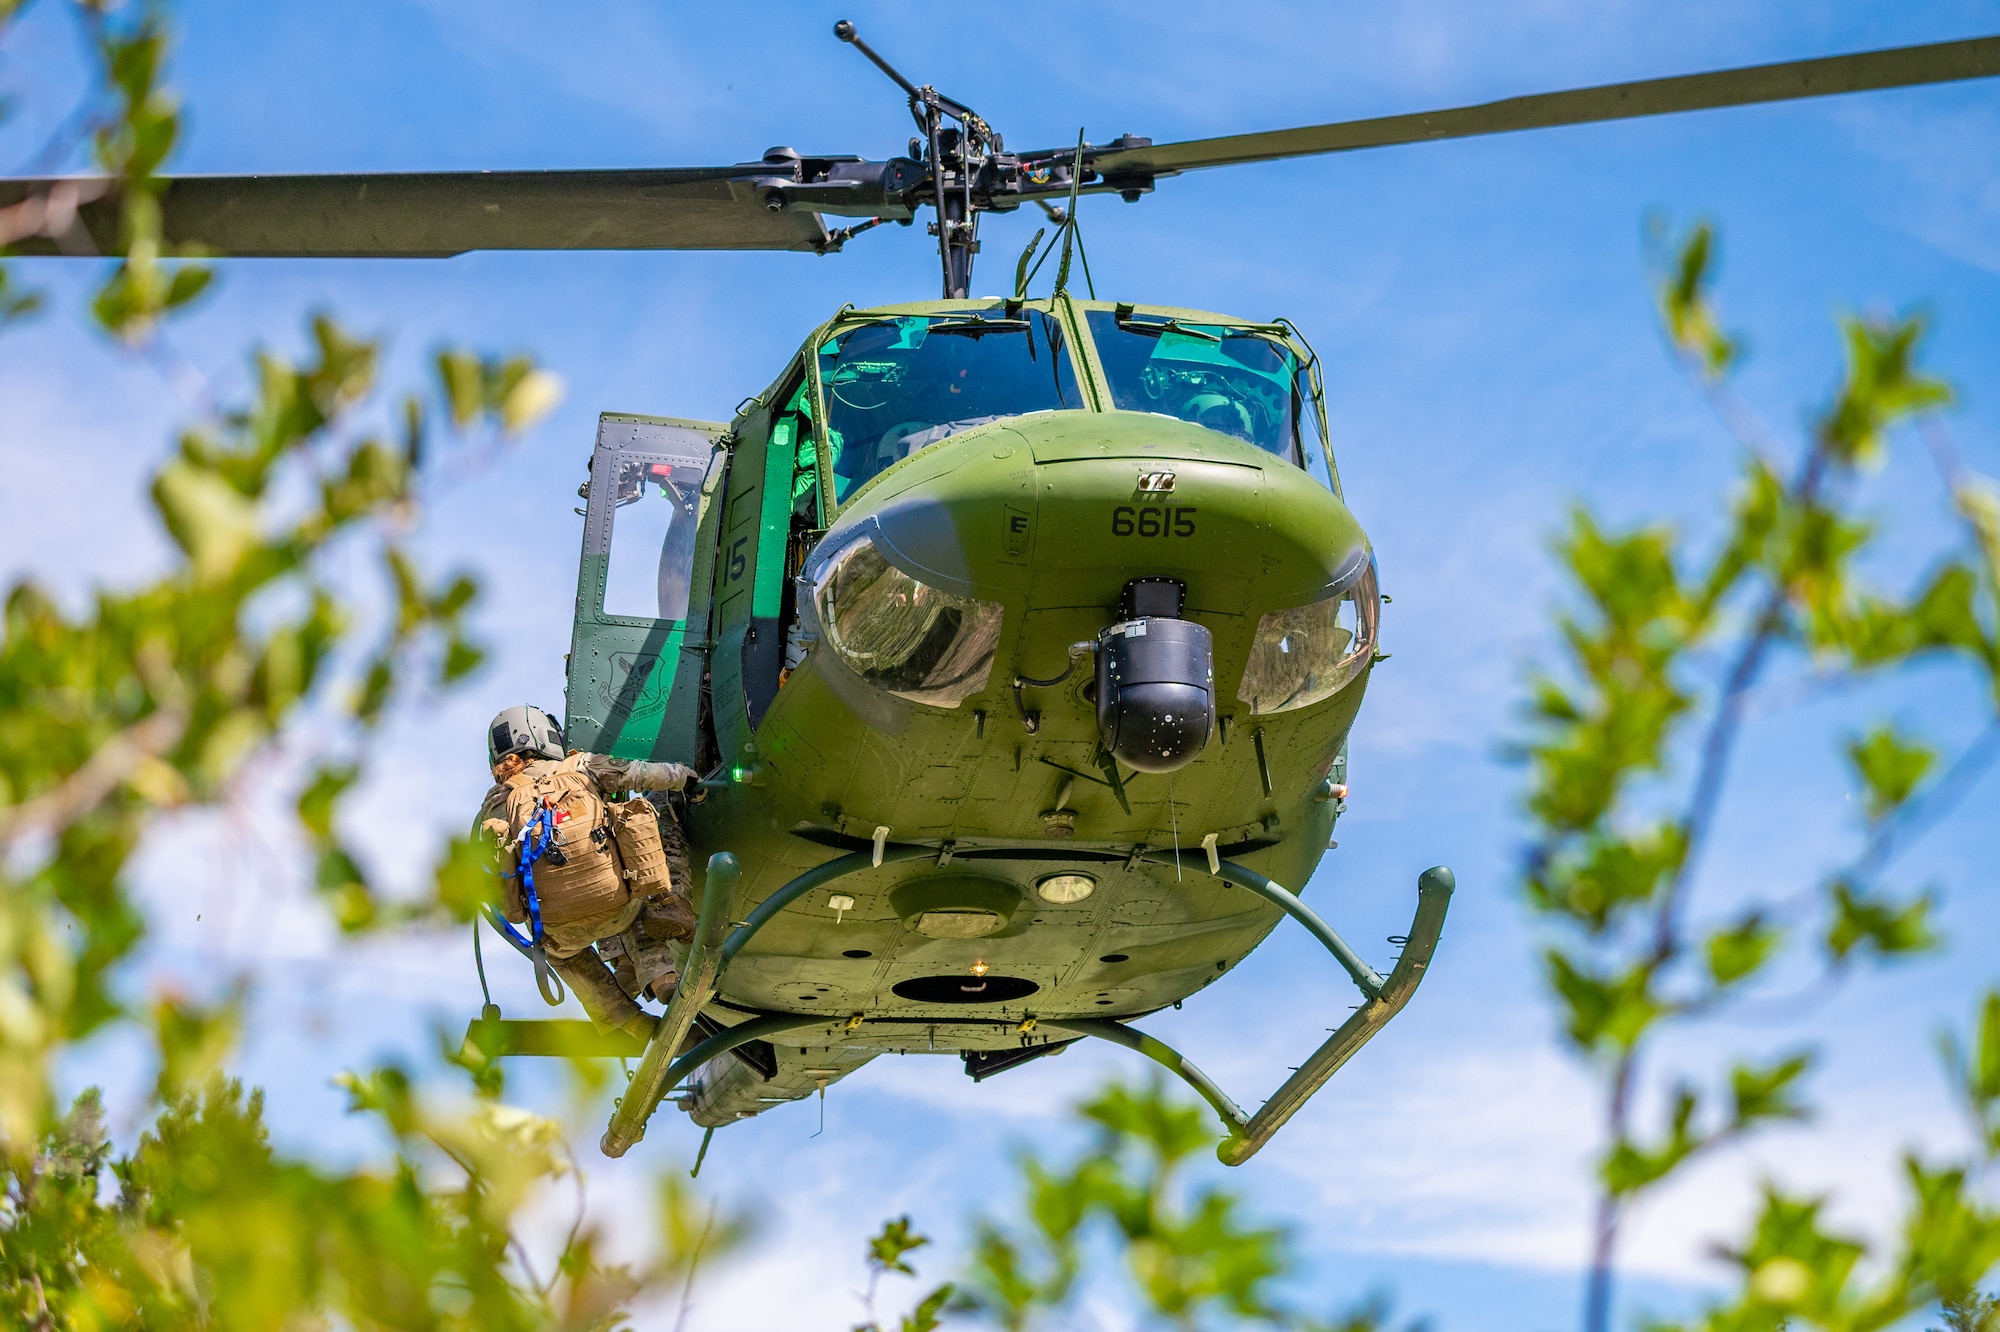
{"points": [[652, 540]]}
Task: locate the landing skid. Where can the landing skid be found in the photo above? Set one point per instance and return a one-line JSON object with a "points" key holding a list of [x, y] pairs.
{"points": [[711, 951], [1247, 1133]]}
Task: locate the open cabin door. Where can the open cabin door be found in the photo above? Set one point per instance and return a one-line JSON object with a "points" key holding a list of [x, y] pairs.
{"points": [[639, 646]]}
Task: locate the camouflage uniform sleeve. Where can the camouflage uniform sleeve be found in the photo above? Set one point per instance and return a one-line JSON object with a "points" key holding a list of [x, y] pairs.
{"points": [[614, 774], [493, 807]]}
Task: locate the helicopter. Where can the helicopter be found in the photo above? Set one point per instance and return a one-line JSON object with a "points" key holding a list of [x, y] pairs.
{"points": [[1018, 638]]}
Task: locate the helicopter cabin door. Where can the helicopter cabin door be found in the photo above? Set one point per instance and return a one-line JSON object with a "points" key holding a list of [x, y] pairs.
{"points": [[638, 649], [772, 518]]}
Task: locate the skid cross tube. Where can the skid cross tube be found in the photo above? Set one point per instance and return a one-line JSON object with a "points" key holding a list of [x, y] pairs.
{"points": [[1364, 975], [707, 956], [1248, 1133], [1163, 1054], [819, 875]]}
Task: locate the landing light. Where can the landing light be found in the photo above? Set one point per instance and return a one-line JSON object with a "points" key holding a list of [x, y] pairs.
{"points": [[980, 968], [1064, 889], [1309, 653], [916, 641]]}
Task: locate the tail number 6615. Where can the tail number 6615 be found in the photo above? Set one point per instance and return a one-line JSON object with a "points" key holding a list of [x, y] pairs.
{"points": [[1151, 522]]}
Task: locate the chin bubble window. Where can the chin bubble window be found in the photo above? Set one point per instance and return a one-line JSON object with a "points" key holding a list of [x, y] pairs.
{"points": [[909, 638], [1312, 652]]}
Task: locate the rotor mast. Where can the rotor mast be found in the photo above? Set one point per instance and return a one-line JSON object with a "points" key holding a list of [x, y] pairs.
{"points": [[954, 154]]}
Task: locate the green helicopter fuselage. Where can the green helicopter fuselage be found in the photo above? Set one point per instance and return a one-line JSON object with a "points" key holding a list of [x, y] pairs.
{"points": [[871, 608]]}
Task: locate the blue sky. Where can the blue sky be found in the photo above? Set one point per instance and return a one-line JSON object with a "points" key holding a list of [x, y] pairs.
{"points": [[1484, 314]]}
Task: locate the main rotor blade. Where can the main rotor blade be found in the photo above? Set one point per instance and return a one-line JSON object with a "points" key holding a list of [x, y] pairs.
{"points": [[1942, 62], [434, 214]]}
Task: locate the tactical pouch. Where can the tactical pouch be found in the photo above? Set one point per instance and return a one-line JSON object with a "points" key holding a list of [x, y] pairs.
{"points": [[637, 829], [512, 905], [577, 878]]}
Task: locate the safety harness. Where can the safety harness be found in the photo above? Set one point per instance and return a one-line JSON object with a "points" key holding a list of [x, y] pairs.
{"points": [[534, 842]]}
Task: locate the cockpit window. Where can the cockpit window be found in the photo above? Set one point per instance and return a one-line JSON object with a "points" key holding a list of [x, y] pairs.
{"points": [[895, 385], [1229, 379]]}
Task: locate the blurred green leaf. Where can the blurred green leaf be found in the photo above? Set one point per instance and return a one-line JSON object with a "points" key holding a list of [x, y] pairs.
{"points": [[464, 384], [512, 391], [1739, 951], [1758, 1095], [1862, 921], [466, 878], [528, 395], [929, 1313], [15, 304], [1976, 1070], [316, 803], [1627, 1167], [1690, 315], [208, 518], [1608, 875], [1890, 768], [1603, 1014], [1171, 1130], [1882, 387], [887, 1248], [194, 1040]]}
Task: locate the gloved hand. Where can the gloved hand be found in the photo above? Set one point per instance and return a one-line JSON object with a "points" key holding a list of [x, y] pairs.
{"points": [[666, 776]]}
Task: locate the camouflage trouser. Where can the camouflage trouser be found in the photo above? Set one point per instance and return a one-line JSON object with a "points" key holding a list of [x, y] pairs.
{"points": [[596, 989], [572, 956], [644, 955], [637, 943]]}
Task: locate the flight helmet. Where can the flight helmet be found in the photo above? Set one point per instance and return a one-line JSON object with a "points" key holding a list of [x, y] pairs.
{"points": [[523, 730]]}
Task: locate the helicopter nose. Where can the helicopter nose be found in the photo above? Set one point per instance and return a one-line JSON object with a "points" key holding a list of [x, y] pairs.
{"points": [[1121, 495], [1036, 530], [1060, 510]]}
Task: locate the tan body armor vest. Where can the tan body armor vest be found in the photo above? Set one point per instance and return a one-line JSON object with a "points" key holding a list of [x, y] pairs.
{"points": [[601, 855]]}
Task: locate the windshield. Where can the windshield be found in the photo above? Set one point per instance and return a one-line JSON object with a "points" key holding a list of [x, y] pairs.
{"points": [[1227, 379], [896, 385]]}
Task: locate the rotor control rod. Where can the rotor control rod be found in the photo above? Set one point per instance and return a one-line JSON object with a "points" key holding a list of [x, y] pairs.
{"points": [[845, 31]]}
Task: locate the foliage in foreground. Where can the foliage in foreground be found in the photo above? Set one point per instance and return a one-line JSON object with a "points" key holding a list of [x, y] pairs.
{"points": [[1628, 769], [1185, 1258], [161, 698]]}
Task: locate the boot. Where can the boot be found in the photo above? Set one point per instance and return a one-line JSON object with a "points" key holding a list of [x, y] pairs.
{"points": [[609, 1007]]}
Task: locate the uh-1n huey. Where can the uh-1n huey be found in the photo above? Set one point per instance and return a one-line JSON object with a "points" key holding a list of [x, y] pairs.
{"points": [[1020, 637]]}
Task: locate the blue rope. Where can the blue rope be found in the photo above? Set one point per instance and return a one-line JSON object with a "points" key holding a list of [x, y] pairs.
{"points": [[532, 847]]}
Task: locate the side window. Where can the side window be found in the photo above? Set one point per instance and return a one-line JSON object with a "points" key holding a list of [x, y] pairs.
{"points": [[794, 442], [1311, 443], [652, 540]]}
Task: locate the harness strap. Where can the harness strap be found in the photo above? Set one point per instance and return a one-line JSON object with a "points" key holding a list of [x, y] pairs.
{"points": [[535, 839]]}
